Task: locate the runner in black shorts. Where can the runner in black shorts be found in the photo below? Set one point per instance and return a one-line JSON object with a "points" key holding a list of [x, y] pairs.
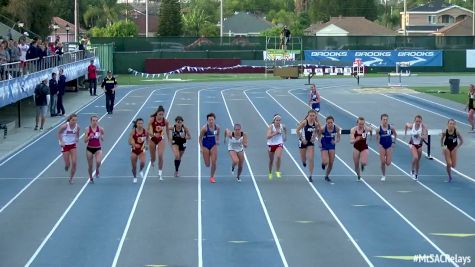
{"points": [[471, 107], [179, 134], [307, 140], [450, 144]]}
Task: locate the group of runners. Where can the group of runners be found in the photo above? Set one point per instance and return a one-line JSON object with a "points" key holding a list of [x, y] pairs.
{"points": [[310, 132]]}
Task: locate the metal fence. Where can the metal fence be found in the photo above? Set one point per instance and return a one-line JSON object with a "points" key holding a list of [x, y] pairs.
{"points": [[20, 68], [243, 43]]}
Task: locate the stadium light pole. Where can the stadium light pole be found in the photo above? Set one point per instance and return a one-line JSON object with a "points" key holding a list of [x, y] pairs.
{"points": [[76, 26], [473, 18], [405, 18], [146, 18]]}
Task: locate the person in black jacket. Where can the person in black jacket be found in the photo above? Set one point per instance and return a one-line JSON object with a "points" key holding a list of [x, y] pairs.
{"points": [[53, 91], [109, 84], [61, 87]]}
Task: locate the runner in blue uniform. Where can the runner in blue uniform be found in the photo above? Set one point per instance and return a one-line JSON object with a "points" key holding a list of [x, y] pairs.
{"points": [[329, 135], [384, 136], [209, 141]]}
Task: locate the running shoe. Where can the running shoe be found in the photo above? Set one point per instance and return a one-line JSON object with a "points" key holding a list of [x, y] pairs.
{"points": [[328, 179], [212, 180], [177, 174], [71, 180], [97, 175], [91, 180], [160, 177], [135, 180], [323, 166], [415, 177], [239, 179], [41, 129], [232, 170], [304, 164], [359, 179], [270, 176], [36, 128], [310, 179], [141, 174], [383, 178], [278, 175]]}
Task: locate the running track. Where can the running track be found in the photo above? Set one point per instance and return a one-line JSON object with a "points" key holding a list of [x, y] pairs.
{"points": [[187, 221]]}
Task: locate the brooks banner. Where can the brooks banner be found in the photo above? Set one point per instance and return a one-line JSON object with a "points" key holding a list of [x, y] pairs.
{"points": [[378, 58]]}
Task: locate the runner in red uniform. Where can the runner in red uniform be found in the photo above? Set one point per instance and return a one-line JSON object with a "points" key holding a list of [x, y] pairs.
{"points": [[137, 139], [93, 137], [358, 137], [157, 128], [68, 136]]}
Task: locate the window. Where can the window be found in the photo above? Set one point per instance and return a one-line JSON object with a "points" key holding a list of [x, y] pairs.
{"points": [[446, 19], [432, 19]]}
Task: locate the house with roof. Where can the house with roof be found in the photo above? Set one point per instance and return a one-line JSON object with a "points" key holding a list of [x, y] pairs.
{"points": [[245, 24], [139, 18], [348, 26], [64, 30], [432, 17]]}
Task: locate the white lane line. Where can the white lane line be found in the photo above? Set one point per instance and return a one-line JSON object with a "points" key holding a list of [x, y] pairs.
{"points": [[399, 168], [136, 201], [259, 195], [38, 250], [49, 165], [30, 143], [318, 194], [377, 193], [435, 103], [200, 228], [421, 108]]}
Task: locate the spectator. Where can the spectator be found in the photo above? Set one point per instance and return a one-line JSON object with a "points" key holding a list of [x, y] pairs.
{"points": [[92, 77], [42, 99], [109, 84], [285, 37], [23, 49], [4, 58], [53, 90], [59, 52], [82, 49], [14, 51], [32, 53], [42, 54], [61, 89]]}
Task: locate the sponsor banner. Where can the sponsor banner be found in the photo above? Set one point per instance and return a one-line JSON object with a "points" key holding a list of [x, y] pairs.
{"points": [[379, 58], [276, 54]]}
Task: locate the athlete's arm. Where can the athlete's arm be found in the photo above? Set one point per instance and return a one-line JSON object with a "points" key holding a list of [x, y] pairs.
{"points": [[167, 125], [299, 129], [200, 139], [131, 138], [187, 133], [102, 133], [393, 131], [270, 134], [86, 135], [338, 134], [244, 140], [352, 135], [459, 136], [407, 126], [442, 139], [60, 134], [77, 133], [149, 127], [425, 132], [217, 134], [377, 136]]}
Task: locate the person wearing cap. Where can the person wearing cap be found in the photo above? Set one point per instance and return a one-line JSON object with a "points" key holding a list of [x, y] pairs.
{"points": [[92, 77], [42, 98], [109, 84]]}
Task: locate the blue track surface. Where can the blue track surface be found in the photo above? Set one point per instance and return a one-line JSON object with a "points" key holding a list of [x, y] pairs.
{"points": [[258, 222]]}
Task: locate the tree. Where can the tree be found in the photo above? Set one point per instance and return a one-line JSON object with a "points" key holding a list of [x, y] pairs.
{"points": [[196, 23], [170, 18], [120, 28], [35, 14]]}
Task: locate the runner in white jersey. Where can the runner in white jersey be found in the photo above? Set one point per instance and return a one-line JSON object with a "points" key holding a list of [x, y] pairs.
{"points": [[276, 136], [68, 136], [236, 145], [418, 134]]}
